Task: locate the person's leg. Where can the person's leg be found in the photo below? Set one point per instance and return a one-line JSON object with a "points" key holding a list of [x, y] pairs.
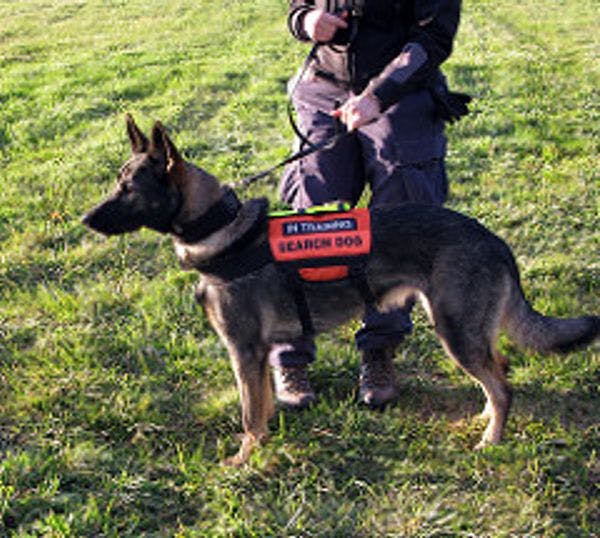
{"points": [[377, 341], [289, 361], [404, 163], [425, 183], [331, 175], [381, 333], [322, 177]]}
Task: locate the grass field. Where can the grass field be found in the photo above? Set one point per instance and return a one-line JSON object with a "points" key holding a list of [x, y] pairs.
{"points": [[117, 404]]}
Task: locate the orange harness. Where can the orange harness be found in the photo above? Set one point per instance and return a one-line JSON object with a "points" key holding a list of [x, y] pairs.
{"points": [[322, 244], [318, 245]]}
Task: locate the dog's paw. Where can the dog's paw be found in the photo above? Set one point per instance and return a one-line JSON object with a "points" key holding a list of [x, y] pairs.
{"points": [[235, 461], [249, 442], [481, 445], [489, 439]]}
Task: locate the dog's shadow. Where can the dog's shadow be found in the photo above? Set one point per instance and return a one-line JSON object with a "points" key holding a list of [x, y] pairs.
{"points": [[432, 409], [434, 421]]}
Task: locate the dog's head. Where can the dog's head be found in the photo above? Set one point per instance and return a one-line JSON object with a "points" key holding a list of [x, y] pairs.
{"points": [[147, 193]]}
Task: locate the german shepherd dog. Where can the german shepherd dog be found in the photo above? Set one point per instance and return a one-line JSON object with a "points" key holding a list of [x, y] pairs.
{"points": [[465, 277]]}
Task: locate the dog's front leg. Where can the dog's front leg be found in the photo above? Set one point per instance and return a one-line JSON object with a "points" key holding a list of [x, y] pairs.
{"points": [[251, 370]]}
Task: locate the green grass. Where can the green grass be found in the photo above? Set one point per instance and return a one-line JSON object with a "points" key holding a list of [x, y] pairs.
{"points": [[117, 404]]}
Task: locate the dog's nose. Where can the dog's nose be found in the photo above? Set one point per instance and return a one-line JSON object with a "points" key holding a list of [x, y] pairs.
{"points": [[90, 219]]}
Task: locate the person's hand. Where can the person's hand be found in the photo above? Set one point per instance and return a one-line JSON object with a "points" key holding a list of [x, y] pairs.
{"points": [[358, 111], [321, 26]]}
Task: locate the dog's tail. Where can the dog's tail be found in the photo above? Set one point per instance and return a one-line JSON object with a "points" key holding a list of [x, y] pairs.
{"points": [[528, 328]]}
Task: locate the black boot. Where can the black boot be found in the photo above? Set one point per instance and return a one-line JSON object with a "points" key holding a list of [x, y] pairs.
{"points": [[378, 385], [292, 387]]}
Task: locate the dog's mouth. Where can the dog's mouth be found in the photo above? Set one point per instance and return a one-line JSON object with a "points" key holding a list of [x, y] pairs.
{"points": [[104, 220]]}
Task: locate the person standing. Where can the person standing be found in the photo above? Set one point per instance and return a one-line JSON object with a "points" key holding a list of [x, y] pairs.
{"points": [[375, 69]]}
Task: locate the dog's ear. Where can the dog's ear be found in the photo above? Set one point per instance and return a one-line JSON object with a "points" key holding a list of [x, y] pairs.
{"points": [[139, 142], [158, 148], [173, 156], [161, 147]]}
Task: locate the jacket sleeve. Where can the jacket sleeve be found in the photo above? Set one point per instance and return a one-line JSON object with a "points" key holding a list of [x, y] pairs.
{"points": [[430, 43], [296, 13]]}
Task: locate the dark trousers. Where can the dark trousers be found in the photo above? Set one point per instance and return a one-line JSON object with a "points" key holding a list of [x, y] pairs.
{"points": [[401, 158]]}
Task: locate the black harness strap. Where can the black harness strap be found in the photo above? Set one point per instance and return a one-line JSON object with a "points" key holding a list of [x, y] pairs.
{"points": [[358, 274], [244, 255], [297, 287], [218, 216]]}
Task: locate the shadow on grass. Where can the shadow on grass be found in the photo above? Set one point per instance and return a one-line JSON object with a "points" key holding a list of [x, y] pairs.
{"points": [[579, 408], [183, 437]]}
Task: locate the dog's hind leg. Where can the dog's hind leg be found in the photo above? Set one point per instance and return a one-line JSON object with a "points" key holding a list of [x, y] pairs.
{"points": [[477, 359], [499, 396], [251, 370], [503, 362]]}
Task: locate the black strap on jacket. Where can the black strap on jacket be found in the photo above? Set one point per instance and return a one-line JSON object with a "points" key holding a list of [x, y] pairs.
{"points": [[358, 275]]}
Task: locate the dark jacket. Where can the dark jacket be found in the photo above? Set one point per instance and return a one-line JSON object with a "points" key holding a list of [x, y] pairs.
{"points": [[382, 31]]}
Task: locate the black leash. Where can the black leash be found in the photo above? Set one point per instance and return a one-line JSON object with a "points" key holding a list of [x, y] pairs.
{"points": [[306, 144], [320, 146]]}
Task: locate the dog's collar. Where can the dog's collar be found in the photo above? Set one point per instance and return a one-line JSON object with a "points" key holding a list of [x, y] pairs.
{"points": [[217, 217], [246, 254]]}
